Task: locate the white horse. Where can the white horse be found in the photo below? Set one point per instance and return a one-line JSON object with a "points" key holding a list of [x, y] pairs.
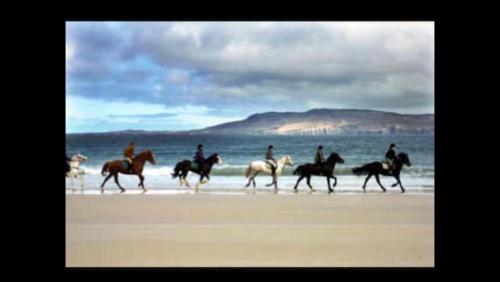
{"points": [[257, 167], [75, 170]]}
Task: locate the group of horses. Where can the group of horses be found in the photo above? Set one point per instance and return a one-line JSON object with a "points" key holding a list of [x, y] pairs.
{"points": [[181, 170]]}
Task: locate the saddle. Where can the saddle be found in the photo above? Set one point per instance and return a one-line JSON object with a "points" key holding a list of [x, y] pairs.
{"points": [[388, 165], [124, 164], [195, 165]]}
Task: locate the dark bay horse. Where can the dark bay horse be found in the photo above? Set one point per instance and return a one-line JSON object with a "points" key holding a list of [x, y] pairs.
{"points": [[115, 167], [377, 169], [306, 170], [182, 169]]}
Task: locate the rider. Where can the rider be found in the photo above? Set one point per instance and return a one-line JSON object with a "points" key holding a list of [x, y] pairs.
{"points": [[199, 158], [390, 157], [129, 154], [271, 161], [319, 158]]}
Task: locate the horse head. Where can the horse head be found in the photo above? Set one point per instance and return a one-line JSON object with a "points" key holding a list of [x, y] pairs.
{"points": [[148, 156], [79, 158], [214, 159], [288, 160], [335, 158], [404, 158]]}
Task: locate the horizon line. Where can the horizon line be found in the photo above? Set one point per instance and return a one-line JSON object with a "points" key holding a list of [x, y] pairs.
{"points": [[184, 130]]}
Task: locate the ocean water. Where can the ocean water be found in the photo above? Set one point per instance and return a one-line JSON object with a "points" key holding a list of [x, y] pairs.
{"points": [[238, 151]]}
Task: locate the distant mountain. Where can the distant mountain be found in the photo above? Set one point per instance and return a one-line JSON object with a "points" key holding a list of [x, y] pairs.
{"points": [[326, 121], [313, 122]]}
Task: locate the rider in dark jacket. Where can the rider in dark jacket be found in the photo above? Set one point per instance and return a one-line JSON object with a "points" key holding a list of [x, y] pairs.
{"points": [[270, 160], [199, 158], [319, 158], [391, 157]]}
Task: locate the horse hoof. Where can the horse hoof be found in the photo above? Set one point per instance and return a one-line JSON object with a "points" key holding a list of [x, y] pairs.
{"points": [[330, 191]]}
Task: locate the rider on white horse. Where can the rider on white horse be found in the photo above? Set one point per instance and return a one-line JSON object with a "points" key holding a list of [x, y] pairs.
{"points": [[75, 171], [271, 161]]}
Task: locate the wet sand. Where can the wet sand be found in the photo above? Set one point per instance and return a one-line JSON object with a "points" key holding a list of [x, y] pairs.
{"points": [[372, 229]]}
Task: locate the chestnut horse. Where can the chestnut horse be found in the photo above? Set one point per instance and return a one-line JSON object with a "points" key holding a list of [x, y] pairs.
{"points": [[115, 167]]}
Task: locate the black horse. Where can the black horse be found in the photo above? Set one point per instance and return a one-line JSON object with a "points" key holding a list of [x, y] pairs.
{"points": [[376, 169], [182, 169], [306, 170]]}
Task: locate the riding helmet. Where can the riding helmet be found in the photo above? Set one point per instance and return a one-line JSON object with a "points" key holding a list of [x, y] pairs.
{"points": [[320, 147], [393, 145], [200, 146], [270, 146]]}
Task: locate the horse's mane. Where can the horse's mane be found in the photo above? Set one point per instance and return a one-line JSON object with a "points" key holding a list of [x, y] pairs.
{"points": [[143, 153], [333, 154]]}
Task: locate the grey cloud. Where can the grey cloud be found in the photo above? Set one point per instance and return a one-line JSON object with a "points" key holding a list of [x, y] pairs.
{"points": [[389, 66]]}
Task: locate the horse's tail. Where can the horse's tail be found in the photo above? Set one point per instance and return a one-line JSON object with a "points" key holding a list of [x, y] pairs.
{"points": [[248, 170], [104, 169], [176, 171], [360, 170], [297, 170]]}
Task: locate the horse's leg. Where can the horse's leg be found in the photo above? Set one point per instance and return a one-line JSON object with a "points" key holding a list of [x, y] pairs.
{"points": [[366, 180], [184, 175], [104, 182], [309, 182], [253, 179], [204, 181], [81, 182], [199, 182], [181, 182], [399, 182], [118, 183], [335, 183], [298, 181], [274, 181], [141, 184], [328, 182], [378, 181], [249, 181]]}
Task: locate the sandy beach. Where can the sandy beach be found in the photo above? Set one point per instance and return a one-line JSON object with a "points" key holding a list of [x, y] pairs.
{"points": [[337, 230]]}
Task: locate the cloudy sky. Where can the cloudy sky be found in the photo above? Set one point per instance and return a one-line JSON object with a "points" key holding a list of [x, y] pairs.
{"points": [[186, 75]]}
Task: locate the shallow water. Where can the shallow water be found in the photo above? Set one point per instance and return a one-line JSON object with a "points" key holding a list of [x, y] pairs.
{"points": [[238, 151]]}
